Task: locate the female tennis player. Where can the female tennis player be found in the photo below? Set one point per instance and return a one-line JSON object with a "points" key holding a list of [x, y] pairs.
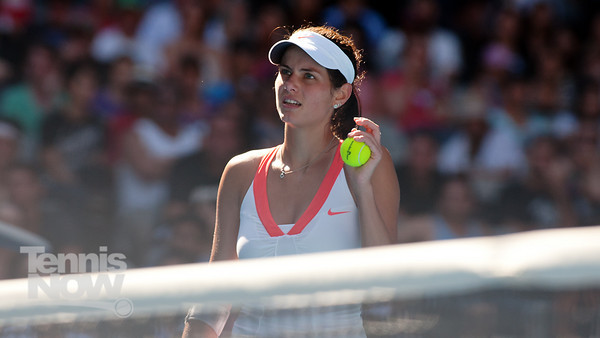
{"points": [[300, 197]]}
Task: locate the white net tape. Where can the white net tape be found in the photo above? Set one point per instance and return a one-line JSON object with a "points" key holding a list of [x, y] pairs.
{"points": [[551, 259]]}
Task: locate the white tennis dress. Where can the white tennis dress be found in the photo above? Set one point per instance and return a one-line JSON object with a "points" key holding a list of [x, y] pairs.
{"points": [[329, 223]]}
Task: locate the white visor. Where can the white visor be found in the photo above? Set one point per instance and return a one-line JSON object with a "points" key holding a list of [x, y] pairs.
{"points": [[324, 51]]}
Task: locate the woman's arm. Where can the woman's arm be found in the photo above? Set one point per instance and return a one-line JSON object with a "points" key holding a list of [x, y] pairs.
{"points": [[198, 329], [232, 188], [235, 181], [375, 188]]}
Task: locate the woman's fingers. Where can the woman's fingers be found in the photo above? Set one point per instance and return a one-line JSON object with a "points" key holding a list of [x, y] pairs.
{"points": [[370, 127], [371, 136]]}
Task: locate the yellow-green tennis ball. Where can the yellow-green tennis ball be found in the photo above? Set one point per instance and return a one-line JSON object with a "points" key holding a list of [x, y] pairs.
{"points": [[354, 153]]}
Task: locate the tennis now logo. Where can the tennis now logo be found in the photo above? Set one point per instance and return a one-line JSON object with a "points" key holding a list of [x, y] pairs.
{"points": [[68, 277]]}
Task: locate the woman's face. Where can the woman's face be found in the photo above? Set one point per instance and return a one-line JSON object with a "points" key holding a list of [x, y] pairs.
{"points": [[303, 90]]}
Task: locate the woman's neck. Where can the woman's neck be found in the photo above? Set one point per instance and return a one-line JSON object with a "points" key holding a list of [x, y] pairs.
{"points": [[301, 147]]}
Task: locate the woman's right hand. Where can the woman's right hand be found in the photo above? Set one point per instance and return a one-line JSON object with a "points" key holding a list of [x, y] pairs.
{"points": [[372, 138]]}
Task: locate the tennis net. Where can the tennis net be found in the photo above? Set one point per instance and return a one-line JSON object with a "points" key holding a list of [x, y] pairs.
{"points": [[533, 284]]}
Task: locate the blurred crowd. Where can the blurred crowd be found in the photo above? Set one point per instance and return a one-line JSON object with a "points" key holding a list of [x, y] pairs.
{"points": [[117, 117]]}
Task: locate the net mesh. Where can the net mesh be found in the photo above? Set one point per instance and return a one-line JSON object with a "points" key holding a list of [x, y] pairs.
{"points": [[537, 284]]}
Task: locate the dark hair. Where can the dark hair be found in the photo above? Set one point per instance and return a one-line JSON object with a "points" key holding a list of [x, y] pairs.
{"points": [[76, 68], [342, 120]]}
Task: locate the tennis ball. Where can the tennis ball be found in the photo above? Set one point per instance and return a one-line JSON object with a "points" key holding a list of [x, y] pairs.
{"points": [[354, 153]]}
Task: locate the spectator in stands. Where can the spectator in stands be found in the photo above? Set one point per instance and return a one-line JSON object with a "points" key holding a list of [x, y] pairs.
{"points": [[587, 105], [584, 154], [73, 154], [139, 100], [10, 135], [504, 48], [471, 25], [110, 100], [486, 154], [182, 240], [454, 216], [191, 45], [590, 58], [419, 177], [501, 56], [421, 17], [359, 14], [530, 110], [149, 150], [30, 100], [188, 77], [118, 39], [166, 22], [41, 213], [409, 95], [159, 24], [195, 173], [513, 116], [541, 199], [551, 69], [73, 139], [548, 107]]}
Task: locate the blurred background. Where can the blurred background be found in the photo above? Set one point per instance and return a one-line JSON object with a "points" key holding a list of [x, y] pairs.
{"points": [[117, 117]]}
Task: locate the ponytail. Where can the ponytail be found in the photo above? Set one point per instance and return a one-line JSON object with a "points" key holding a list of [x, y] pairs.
{"points": [[342, 119]]}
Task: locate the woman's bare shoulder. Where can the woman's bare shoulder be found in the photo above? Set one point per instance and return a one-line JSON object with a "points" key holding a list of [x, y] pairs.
{"points": [[248, 159], [241, 168]]}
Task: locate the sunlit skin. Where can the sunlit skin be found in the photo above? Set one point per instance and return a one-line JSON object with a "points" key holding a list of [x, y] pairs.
{"points": [[303, 80]]}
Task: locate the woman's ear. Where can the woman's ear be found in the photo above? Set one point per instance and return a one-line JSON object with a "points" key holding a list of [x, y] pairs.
{"points": [[342, 94]]}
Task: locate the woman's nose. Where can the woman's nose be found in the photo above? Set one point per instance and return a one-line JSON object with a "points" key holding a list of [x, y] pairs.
{"points": [[290, 84]]}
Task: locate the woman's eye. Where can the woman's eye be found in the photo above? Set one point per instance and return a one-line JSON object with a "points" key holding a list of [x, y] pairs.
{"points": [[309, 76], [284, 71]]}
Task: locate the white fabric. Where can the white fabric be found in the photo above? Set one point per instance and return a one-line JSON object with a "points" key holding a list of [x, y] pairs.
{"points": [[561, 124], [443, 52], [138, 193], [329, 230], [161, 24], [111, 43], [499, 151], [324, 51], [324, 232], [160, 144]]}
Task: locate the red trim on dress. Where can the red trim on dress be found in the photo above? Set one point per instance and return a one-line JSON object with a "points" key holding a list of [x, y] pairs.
{"points": [[262, 202], [260, 195]]}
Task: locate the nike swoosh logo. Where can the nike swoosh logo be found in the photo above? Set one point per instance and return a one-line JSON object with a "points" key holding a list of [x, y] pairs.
{"points": [[333, 213]]}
